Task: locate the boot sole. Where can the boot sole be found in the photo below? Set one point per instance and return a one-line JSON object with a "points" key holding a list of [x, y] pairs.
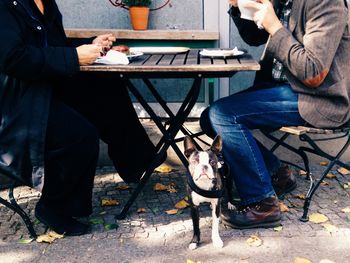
{"points": [[258, 225]]}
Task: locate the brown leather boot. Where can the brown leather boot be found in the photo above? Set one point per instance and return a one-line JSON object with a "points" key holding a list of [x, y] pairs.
{"points": [[263, 214], [283, 181]]}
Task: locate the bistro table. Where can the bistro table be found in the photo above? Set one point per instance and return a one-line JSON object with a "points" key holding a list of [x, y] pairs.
{"points": [[189, 65]]}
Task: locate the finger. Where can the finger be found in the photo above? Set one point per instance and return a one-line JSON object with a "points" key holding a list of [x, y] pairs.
{"points": [[112, 38], [253, 5]]}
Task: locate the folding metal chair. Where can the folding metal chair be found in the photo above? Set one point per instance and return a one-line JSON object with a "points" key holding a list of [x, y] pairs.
{"points": [[12, 204], [305, 134]]}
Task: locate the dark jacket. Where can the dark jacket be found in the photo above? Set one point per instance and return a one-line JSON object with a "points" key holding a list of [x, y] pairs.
{"points": [[32, 62], [316, 52]]}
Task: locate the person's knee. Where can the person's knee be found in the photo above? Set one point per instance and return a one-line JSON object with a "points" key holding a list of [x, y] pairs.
{"points": [[205, 124]]}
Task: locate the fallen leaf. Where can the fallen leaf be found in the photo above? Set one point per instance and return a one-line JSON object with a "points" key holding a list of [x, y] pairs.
{"points": [[343, 171], [96, 221], [318, 218], [123, 187], [330, 228], [326, 261], [172, 211], [163, 169], [331, 176], [346, 185], [323, 183], [25, 241], [245, 258], [110, 226], [283, 207], [182, 204], [346, 209], [254, 241], [302, 173], [301, 260], [141, 210], [102, 213], [300, 196], [324, 163], [278, 228], [49, 237], [186, 198], [191, 261], [155, 210], [348, 218], [159, 187], [109, 202], [335, 201]]}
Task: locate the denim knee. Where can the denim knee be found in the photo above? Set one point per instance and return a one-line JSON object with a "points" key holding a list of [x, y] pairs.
{"points": [[205, 124]]}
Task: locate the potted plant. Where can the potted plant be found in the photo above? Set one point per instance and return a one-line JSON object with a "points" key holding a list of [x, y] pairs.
{"points": [[138, 10]]}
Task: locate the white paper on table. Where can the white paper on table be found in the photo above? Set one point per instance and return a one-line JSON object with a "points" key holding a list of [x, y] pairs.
{"points": [[221, 52], [113, 58]]}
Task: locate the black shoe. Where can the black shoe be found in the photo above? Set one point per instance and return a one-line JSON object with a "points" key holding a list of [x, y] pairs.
{"points": [[59, 223], [283, 181], [135, 176], [263, 214]]}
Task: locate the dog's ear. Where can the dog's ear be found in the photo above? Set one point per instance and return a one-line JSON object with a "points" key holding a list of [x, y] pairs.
{"points": [[189, 146], [216, 146]]}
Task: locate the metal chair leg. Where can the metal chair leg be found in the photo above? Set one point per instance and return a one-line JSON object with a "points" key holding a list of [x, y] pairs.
{"points": [[17, 209]]}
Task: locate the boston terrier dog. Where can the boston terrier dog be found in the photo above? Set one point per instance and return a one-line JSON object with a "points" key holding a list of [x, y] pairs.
{"points": [[204, 185]]}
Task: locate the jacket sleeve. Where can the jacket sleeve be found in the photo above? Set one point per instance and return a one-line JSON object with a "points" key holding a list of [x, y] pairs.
{"points": [[310, 61], [247, 29], [30, 62]]}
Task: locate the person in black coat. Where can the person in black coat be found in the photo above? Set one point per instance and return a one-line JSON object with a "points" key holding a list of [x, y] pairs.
{"points": [[52, 116]]}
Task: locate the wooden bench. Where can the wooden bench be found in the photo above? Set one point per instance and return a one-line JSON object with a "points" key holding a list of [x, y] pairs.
{"points": [[307, 134]]}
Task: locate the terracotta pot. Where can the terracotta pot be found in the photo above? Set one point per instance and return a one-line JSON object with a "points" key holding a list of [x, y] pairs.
{"points": [[139, 17]]}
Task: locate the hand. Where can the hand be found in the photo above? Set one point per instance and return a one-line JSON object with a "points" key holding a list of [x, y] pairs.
{"points": [[265, 15], [87, 54], [106, 41], [233, 3]]}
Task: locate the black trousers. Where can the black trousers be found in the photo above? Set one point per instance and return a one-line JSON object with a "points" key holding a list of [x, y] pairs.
{"points": [[84, 109]]}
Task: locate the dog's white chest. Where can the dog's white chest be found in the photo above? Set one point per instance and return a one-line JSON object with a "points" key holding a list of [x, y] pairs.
{"points": [[198, 199]]}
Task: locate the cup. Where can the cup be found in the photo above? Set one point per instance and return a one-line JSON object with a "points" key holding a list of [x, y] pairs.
{"points": [[246, 13]]}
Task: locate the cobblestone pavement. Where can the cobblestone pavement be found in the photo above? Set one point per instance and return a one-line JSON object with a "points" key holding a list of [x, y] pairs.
{"points": [[154, 236]]}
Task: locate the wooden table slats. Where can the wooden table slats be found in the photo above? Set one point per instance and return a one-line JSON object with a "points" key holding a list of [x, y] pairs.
{"points": [[178, 64]]}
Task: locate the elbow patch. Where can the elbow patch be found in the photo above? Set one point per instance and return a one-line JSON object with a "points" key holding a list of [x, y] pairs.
{"points": [[317, 80]]}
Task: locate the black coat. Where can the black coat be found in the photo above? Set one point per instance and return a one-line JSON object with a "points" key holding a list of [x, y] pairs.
{"points": [[32, 61]]}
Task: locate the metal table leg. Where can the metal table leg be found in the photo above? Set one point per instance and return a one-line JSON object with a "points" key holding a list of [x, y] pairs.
{"points": [[168, 138]]}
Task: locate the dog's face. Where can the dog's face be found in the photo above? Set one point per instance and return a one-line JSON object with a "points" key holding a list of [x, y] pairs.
{"points": [[204, 165]]}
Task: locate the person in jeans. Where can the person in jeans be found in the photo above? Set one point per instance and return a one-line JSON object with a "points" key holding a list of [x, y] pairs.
{"points": [[304, 80], [52, 116]]}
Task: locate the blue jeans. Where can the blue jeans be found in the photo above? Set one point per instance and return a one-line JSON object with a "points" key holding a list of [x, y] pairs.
{"points": [[233, 117]]}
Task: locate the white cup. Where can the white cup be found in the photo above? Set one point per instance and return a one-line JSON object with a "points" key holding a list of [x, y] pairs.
{"points": [[246, 13]]}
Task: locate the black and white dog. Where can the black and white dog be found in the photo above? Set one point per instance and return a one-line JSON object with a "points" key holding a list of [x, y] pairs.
{"points": [[204, 185]]}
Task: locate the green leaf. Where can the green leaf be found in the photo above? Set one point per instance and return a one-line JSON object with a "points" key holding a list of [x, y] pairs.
{"points": [[348, 218], [96, 221], [25, 241], [179, 212], [155, 210], [110, 226]]}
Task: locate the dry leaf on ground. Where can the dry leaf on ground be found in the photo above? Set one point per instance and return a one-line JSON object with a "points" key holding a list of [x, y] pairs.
{"points": [[324, 163], [346, 209], [49, 237], [182, 204], [283, 207], [141, 210], [161, 187], [123, 187], [318, 218], [346, 185], [331, 176], [254, 241], [278, 228], [109, 202], [330, 228], [172, 211], [191, 261], [324, 183], [302, 173], [343, 171], [301, 260], [163, 169], [300, 196]]}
